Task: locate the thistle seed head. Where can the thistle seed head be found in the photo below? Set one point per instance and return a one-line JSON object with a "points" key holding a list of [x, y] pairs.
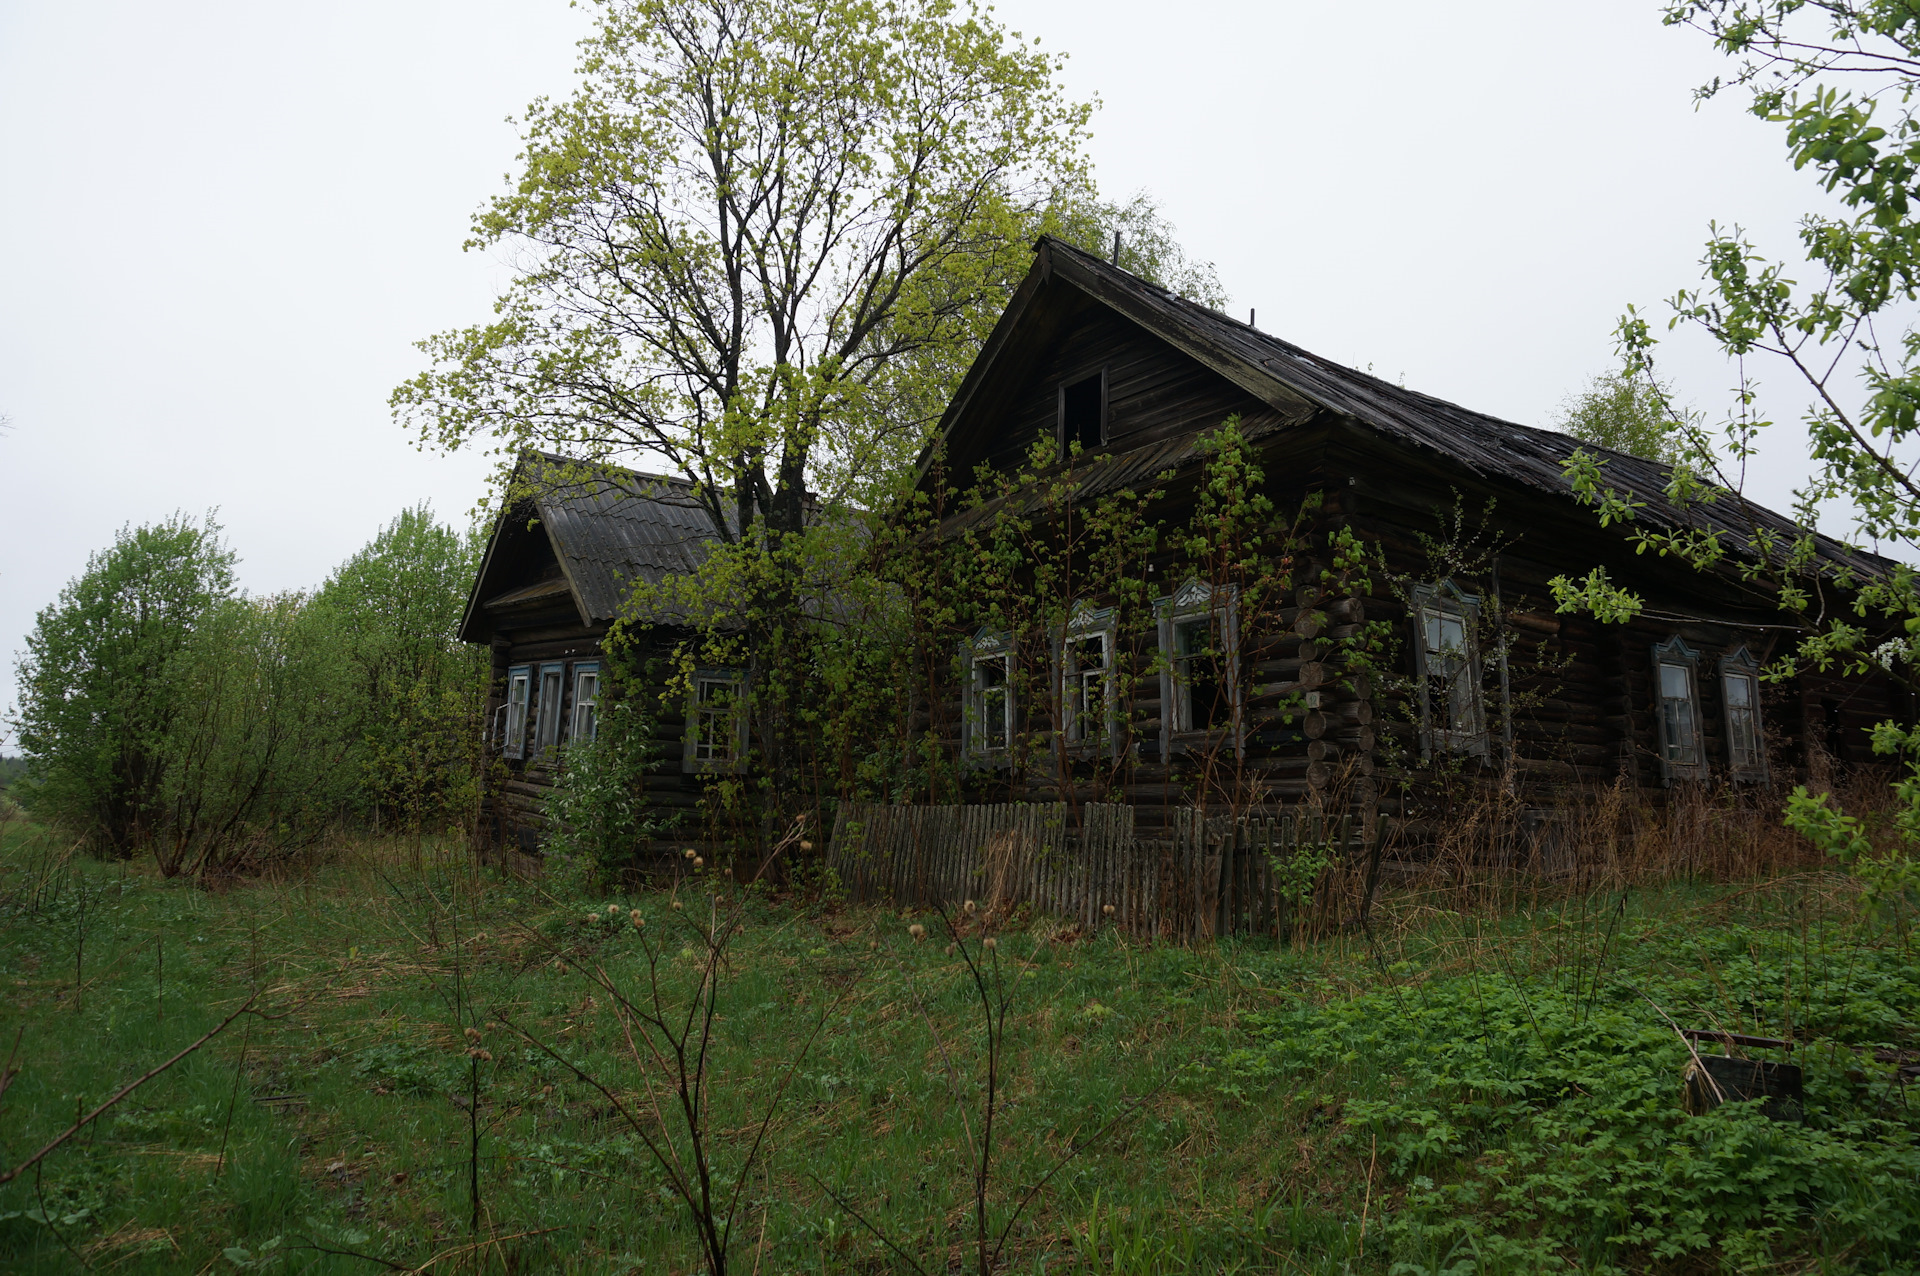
{"points": [[917, 931], [638, 920], [969, 906], [805, 845], [473, 1035], [690, 852], [699, 862], [612, 909], [676, 905], [1107, 909], [989, 943]]}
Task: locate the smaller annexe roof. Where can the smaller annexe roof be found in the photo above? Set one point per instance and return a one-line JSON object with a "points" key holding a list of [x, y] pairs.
{"points": [[590, 532]]}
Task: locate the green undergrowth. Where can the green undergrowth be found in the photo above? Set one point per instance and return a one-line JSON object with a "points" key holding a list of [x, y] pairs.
{"points": [[1484, 1089]]}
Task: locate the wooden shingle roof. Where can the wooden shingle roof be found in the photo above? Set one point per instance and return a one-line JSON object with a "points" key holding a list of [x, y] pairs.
{"points": [[608, 527], [1299, 384]]}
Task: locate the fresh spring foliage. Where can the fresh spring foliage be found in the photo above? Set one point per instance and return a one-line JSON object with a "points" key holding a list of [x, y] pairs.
{"points": [[98, 701], [1840, 77], [1624, 414], [1461, 1089], [1527, 1121], [163, 712], [413, 690], [598, 806], [759, 242]]}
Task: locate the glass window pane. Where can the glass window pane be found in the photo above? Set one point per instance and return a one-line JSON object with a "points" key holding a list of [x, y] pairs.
{"points": [[1739, 690], [1674, 683]]}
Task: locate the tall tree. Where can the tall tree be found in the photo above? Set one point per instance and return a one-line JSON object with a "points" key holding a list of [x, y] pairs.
{"points": [[1840, 76], [1623, 413], [97, 694], [736, 236], [411, 691]]}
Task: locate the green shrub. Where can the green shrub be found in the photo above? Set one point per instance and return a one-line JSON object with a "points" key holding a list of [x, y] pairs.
{"points": [[1532, 1123]]}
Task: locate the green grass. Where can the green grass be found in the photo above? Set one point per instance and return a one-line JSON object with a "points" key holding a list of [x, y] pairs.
{"points": [[1471, 1090]]}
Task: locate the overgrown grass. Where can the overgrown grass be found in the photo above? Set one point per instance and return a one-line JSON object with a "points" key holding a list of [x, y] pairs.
{"points": [[1490, 1090]]}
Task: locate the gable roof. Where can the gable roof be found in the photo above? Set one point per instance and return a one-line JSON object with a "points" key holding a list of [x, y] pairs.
{"points": [[608, 528], [1295, 382]]}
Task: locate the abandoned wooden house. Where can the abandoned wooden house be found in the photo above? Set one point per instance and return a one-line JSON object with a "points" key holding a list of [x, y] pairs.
{"points": [[562, 562], [1482, 677]]}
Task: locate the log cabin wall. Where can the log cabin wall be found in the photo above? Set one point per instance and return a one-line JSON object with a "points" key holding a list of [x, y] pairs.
{"points": [[558, 567], [516, 807], [1575, 705]]}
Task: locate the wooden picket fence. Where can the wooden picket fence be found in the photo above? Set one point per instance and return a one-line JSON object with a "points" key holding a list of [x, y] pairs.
{"points": [[1265, 873]]}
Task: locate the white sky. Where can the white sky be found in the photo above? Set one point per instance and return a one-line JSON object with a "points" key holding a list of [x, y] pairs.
{"points": [[226, 223]]}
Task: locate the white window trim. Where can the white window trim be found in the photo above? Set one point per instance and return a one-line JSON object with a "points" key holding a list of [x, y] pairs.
{"points": [[690, 761], [1444, 598], [983, 646], [550, 715], [584, 702], [1089, 622], [1739, 663], [1676, 652], [1197, 600], [513, 738]]}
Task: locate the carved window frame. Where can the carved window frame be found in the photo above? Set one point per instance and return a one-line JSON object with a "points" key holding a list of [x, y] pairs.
{"points": [[513, 731], [549, 720], [1674, 715], [698, 755], [1086, 622], [985, 649], [1738, 667], [1432, 606], [583, 724], [1219, 605]]}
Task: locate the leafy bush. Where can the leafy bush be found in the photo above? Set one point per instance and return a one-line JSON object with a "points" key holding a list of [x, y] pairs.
{"points": [[1532, 1123], [96, 695], [599, 803]]}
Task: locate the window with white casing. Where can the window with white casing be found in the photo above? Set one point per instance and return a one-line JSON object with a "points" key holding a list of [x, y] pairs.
{"points": [[1447, 670], [1200, 676], [1676, 694], [586, 703], [513, 731], [1740, 697], [716, 721], [547, 709], [1086, 677], [989, 720]]}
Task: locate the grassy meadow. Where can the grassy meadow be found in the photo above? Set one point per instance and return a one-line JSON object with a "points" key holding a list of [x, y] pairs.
{"points": [[1480, 1083]]}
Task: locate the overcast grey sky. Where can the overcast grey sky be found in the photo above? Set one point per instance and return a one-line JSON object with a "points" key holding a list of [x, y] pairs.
{"points": [[226, 223]]}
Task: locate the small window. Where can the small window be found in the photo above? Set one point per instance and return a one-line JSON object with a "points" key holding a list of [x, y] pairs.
{"points": [[586, 703], [1677, 702], [716, 721], [1740, 692], [989, 694], [513, 737], [1199, 690], [1447, 667], [1083, 414], [547, 708], [1086, 674], [1200, 686]]}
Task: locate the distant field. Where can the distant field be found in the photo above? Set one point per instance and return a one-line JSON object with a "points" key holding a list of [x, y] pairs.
{"points": [[1471, 1089], [11, 769]]}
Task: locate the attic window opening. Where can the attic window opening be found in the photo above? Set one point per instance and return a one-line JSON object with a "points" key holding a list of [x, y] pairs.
{"points": [[1083, 414]]}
